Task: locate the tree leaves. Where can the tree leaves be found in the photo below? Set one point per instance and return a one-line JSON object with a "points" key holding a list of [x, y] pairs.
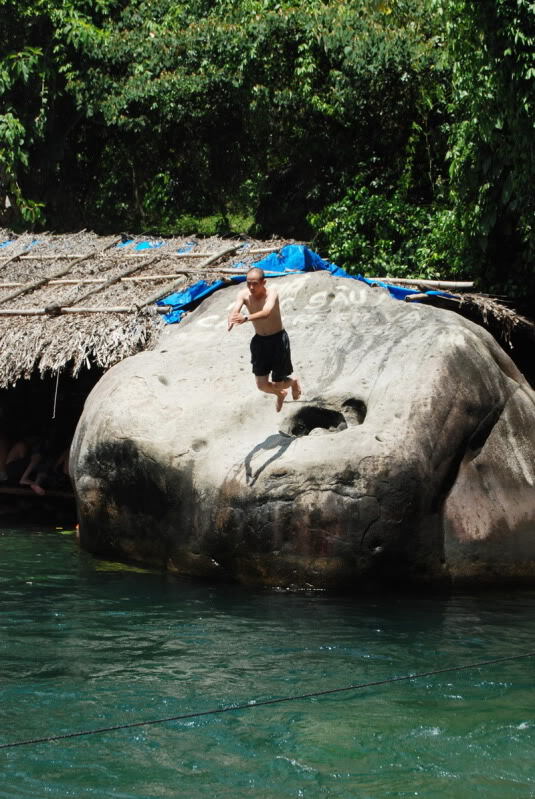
{"points": [[398, 130], [493, 158]]}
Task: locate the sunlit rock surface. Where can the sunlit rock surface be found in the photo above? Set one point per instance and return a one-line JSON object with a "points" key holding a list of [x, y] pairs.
{"points": [[409, 458]]}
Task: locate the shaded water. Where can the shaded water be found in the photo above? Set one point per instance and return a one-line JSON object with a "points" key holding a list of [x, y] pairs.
{"points": [[85, 644]]}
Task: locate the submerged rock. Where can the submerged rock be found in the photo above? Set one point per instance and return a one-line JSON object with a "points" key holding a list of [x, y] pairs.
{"points": [[409, 456]]}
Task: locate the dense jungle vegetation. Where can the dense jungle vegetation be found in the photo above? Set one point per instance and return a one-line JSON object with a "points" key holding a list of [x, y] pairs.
{"points": [[397, 135]]}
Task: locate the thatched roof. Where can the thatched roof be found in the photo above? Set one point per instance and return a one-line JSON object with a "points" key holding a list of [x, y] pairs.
{"points": [[77, 299]]}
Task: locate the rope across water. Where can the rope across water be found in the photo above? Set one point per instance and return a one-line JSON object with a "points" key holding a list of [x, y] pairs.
{"points": [[261, 702]]}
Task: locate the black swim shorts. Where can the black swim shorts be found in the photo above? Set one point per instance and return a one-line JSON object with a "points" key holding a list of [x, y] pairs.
{"points": [[272, 354]]}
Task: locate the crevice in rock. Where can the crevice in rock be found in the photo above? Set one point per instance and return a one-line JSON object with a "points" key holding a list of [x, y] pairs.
{"points": [[473, 446], [477, 440], [354, 411], [312, 417]]}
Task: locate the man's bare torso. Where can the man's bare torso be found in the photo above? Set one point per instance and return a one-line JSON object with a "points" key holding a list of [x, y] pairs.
{"points": [[273, 323]]}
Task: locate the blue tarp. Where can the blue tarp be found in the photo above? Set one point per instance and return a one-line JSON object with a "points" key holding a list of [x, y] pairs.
{"points": [[292, 259], [188, 246], [148, 245], [184, 301], [151, 245], [141, 245], [33, 243]]}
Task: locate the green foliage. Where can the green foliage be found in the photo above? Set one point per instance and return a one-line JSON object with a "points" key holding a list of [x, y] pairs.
{"points": [[16, 68], [140, 112], [398, 132], [491, 45], [377, 234], [202, 108], [41, 48], [12, 155]]}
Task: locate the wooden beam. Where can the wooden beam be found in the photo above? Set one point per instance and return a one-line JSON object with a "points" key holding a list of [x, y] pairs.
{"points": [[133, 254], [430, 298], [171, 287], [94, 280], [106, 284], [58, 310], [36, 284], [143, 278], [416, 297], [8, 259], [137, 279], [437, 284]]}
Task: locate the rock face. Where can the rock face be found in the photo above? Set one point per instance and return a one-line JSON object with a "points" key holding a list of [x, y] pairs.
{"points": [[409, 457]]}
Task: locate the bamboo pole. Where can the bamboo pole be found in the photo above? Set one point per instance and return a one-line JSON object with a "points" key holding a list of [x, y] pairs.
{"points": [[112, 281], [142, 278], [431, 298], [171, 287], [9, 259], [126, 255], [416, 297], [94, 280], [99, 285], [266, 272], [58, 310], [224, 271], [438, 284], [36, 284]]}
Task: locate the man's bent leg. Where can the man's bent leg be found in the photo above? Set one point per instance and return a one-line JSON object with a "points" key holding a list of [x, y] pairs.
{"points": [[290, 382], [263, 383]]}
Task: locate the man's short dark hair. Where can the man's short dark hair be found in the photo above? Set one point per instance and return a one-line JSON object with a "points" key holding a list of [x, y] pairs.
{"points": [[258, 271]]}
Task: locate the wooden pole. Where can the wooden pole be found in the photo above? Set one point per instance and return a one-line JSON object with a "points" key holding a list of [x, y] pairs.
{"points": [[144, 278], [113, 280], [430, 298], [58, 310], [416, 297], [36, 284], [126, 255], [86, 281], [437, 284], [171, 287], [9, 259]]}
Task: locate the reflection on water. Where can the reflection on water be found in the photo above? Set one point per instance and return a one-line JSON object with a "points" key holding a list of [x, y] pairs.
{"points": [[88, 644]]}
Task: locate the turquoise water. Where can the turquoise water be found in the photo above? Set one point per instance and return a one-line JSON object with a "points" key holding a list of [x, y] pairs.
{"points": [[85, 645]]}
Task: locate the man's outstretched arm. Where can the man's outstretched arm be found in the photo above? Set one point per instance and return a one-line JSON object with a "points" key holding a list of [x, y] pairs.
{"points": [[235, 311]]}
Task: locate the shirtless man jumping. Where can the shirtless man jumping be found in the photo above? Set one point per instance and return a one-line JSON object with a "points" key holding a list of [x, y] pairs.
{"points": [[270, 347]]}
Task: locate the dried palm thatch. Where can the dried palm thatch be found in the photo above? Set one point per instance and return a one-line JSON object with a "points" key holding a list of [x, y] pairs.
{"points": [[514, 332], [73, 300], [503, 322], [497, 317]]}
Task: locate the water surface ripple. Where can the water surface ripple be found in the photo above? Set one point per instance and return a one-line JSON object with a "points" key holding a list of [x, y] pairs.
{"points": [[85, 644]]}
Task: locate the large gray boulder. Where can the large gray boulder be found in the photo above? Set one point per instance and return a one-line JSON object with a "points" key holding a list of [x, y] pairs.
{"points": [[409, 457]]}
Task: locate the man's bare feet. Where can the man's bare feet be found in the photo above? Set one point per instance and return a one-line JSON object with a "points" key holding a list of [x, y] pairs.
{"points": [[38, 489], [281, 396], [296, 389]]}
